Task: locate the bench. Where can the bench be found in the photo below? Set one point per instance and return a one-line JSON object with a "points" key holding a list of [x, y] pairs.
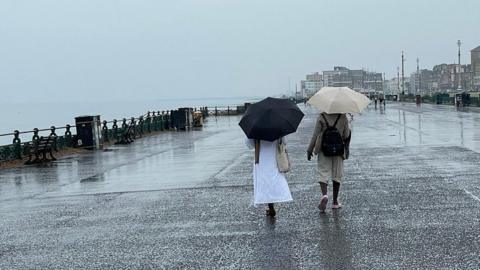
{"points": [[127, 136], [42, 146]]}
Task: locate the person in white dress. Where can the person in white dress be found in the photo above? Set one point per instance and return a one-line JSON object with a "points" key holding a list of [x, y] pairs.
{"points": [[269, 184]]}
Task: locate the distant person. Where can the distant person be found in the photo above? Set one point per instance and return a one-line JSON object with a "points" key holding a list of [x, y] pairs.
{"points": [[330, 142], [269, 184]]}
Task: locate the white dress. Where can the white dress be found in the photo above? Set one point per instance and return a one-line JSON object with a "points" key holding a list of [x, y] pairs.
{"points": [[269, 185]]}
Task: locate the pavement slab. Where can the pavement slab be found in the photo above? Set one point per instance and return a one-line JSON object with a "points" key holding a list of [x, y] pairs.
{"points": [[184, 201]]}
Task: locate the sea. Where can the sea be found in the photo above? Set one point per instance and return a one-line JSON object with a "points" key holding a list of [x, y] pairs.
{"points": [[25, 116]]}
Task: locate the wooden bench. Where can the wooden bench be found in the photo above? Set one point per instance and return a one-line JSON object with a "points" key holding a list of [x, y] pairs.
{"points": [[43, 146]]}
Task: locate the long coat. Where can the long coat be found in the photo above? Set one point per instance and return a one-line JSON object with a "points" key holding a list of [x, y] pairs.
{"points": [[330, 167]]}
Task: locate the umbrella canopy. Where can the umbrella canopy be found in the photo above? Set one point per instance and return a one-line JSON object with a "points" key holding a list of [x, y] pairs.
{"points": [[339, 100], [271, 119]]}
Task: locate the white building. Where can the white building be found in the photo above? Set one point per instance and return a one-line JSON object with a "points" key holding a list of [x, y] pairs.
{"points": [[311, 84], [392, 87]]}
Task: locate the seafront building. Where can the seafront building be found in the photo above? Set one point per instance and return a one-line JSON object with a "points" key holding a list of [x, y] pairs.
{"points": [[475, 60], [442, 78], [392, 87], [312, 83], [357, 79]]}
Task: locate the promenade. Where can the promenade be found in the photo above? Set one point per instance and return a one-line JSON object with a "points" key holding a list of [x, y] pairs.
{"points": [[182, 200]]}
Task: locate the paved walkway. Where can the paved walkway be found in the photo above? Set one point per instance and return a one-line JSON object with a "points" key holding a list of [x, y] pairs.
{"points": [[183, 200]]}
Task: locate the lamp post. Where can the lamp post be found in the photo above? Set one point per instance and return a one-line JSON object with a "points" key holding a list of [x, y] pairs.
{"points": [[403, 74], [459, 88]]}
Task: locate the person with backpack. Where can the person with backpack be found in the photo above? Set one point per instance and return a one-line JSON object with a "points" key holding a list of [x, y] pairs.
{"points": [[330, 142]]}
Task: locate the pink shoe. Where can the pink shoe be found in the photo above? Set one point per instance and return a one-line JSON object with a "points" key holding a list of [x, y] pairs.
{"points": [[336, 206], [323, 203]]}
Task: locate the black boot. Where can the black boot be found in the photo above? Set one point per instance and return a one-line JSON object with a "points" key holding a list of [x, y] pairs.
{"points": [[271, 210]]}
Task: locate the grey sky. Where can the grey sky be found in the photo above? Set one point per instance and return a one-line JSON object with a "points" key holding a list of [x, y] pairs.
{"points": [[206, 48]]}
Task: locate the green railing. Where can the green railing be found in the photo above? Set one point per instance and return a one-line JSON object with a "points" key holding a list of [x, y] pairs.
{"points": [[19, 149], [112, 132], [148, 123]]}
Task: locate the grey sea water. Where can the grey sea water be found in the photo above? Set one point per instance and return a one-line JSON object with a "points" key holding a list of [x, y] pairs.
{"points": [[24, 116]]}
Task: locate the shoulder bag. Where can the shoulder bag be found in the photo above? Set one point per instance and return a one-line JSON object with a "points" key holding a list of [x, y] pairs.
{"points": [[283, 161]]}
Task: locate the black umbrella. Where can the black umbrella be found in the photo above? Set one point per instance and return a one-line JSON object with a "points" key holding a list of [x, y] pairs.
{"points": [[270, 119]]}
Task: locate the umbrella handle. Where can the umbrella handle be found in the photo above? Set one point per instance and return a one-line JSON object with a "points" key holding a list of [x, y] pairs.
{"points": [[257, 151]]}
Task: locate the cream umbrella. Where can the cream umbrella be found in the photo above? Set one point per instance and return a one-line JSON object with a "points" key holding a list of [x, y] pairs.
{"points": [[339, 100]]}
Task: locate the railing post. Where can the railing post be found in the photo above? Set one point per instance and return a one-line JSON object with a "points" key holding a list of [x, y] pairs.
{"points": [[17, 145], [134, 126], [154, 121], [54, 136], [162, 120], [124, 125], [35, 136], [68, 136], [140, 125], [228, 110], [149, 120], [115, 130], [105, 131]]}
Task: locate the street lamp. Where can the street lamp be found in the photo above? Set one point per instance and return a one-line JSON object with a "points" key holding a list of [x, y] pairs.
{"points": [[459, 43]]}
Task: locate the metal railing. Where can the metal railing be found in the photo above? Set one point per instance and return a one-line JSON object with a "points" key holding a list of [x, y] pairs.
{"points": [[113, 132]]}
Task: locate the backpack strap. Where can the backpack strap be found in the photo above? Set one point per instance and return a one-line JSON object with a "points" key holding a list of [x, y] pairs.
{"points": [[336, 121], [324, 118]]}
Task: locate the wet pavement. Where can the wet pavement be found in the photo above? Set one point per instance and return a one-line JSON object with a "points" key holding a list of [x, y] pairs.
{"points": [[411, 199]]}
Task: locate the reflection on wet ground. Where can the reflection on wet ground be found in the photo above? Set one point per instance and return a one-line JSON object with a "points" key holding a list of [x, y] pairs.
{"points": [[184, 159], [167, 160], [405, 124], [411, 197]]}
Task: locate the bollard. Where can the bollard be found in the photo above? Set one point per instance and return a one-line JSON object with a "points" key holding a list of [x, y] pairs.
{"points": [[418, 100]]}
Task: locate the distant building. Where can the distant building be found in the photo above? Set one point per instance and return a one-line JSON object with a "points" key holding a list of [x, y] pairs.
{"points": [[360, 80], [475, 60], [421, 82], [414, 82], [426, 82], [392, 87], [312, 83], [467, 77], [446, 77]]}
